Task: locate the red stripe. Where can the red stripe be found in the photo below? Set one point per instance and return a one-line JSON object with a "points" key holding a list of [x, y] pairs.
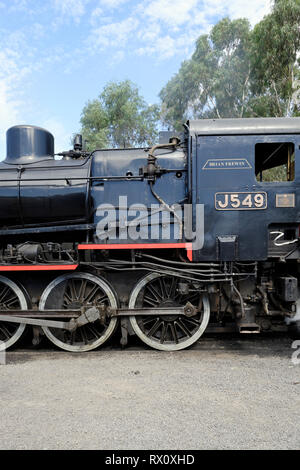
{"points": [[136, 246], [40, 267], [189, 251], [129, 246]]}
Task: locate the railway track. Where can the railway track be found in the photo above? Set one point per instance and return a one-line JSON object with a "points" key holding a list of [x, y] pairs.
{"points": [[272, 342]]}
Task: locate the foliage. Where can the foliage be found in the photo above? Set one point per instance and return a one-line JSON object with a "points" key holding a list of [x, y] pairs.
{"points": [[94, 121], [275, 60], [214, 82], [119, 118], [238, 72]]}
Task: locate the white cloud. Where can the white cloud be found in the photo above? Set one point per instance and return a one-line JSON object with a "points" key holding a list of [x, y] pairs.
{"points": [[163, 28], [95, 15], [154, 43], [178, 12], [172, 12], [111, 4], [183, 21], [18, 5], [74, 9], [113, 34], [254, 10], [164, 44], [151, 33], [100, 13]]}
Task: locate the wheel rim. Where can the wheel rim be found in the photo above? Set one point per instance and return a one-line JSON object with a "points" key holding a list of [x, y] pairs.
{"points": [[72, 291], [11, 297], [162, 332]]}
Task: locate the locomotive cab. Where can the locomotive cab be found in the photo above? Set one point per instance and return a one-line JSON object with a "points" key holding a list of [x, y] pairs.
{"points": [[246, 173]]}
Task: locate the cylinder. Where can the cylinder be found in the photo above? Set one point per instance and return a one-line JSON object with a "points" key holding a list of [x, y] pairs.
{"points": [[28, 144]]}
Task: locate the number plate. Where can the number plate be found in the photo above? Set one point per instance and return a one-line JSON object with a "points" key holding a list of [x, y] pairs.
{"points": [[240, 201]]}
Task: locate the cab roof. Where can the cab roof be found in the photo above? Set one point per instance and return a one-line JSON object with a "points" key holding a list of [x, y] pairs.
{"points": [[245, 126]]}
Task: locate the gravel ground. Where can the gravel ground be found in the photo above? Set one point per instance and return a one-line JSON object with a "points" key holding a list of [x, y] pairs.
{"points": [[225, 393]]}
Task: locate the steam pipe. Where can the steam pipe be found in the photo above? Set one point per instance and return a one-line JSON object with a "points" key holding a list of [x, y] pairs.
{"points": [[151, 167]]}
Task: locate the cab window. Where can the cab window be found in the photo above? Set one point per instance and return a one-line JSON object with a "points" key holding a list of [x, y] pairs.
{"points": [[275, 161]]}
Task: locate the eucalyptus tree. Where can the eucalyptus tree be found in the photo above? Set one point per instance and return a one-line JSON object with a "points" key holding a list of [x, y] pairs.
{"points": [[119, 118]]}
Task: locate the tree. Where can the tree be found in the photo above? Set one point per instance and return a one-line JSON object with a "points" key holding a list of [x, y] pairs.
{"points": [[215, 81], [275, 61], [238, 72], [94, 121], [119, 118]]}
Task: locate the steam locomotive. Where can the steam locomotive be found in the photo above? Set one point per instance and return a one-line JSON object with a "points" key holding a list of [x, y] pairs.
{"points": [[198, 233]]}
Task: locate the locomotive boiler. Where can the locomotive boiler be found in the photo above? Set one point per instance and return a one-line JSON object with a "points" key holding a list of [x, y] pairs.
{"points": [[198, 233]]}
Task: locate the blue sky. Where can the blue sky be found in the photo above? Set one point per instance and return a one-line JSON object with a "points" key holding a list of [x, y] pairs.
{"points": [[55, 55]]}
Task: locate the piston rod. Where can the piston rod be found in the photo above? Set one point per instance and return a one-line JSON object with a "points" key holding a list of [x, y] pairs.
{"points": [[81, 317]]}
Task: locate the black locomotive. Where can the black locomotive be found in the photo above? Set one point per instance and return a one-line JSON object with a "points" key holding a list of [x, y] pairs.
{"points": [[199, 232]]}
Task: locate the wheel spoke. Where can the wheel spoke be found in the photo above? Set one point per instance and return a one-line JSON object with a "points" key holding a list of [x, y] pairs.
{"points": [[173, 331], [67, 297], [163, 287], [182, 327], [93, 330], [74, 295], [11, 297], [172, 289], [102, 299], [83, 289], [83, 335], [3, 293], [150, 301], [155, 294], [154, 327], [72, 337], [193, 321], [5, 331], [147, 320], [163, 333], [167, 332], [11, 302], [89, 297]]}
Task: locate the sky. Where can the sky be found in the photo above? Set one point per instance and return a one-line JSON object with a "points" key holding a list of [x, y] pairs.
{"points": [[55, 55]]}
